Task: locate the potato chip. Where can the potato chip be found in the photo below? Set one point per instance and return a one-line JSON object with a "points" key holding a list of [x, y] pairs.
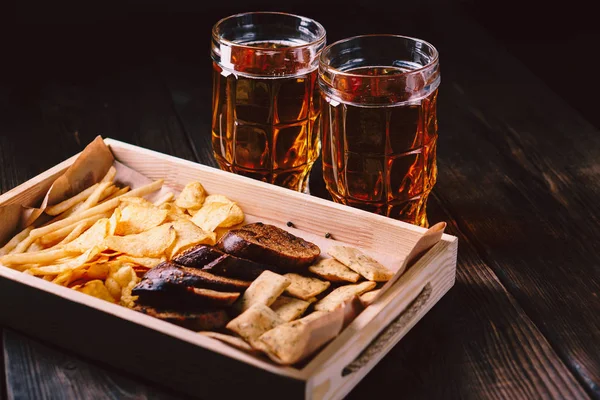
{"points": [[94, 236], [120, 283], [264, 290], [113, 221], [188, 235], [359, 262], [140, 201], [147, 262], [289, 308], [97, 271], [173, 212], [151, 243], [343, 294], [334, 271], [63, 278], [304, 287], [192, 196], [97, 289], [217, 198], [137, 218], [223, 215], [255, 321]]}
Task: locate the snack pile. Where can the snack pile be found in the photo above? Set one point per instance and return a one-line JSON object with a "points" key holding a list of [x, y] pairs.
{"points": [[190, 260]]}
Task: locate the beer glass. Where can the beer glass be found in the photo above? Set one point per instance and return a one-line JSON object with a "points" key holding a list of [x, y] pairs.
{"points": [[265, 121], [379, 124]]}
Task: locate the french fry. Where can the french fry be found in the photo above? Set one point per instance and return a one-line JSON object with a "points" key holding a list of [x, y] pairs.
{"points": [[70, 202], [40, 257], [110, 175], [18, 238], [118, 193], [23, 245], [94, 197], [34, 247], [81, 226], [98, 209], [62, 233]]}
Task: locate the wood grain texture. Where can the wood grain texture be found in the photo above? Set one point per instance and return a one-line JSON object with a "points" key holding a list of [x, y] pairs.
{"points": [[475, 343], [39, 371], [507, 336], [526, 166], [517, 174], [3, 380]]}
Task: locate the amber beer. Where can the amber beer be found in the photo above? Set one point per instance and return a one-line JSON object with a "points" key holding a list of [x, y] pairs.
{"points": [[266, 100], [379, 124]]}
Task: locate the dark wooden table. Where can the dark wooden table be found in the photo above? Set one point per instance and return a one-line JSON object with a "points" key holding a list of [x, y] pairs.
{"points": [[519, 183]]}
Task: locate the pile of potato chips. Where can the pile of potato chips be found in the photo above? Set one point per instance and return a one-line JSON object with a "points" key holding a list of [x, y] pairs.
{"points": [[102, 240]]}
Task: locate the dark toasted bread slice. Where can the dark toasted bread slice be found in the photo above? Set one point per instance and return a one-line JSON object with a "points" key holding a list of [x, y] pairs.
{"points": [[236, 267], [195, 320], [271, 245], [198, 256], [160, 293], [175, 275], [213, 260]]}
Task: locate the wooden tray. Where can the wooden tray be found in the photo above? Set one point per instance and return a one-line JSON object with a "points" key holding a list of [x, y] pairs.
{"points": [[158, 351]]}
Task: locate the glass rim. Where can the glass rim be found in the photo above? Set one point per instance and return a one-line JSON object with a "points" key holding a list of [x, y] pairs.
{"points": [[321, 37], [337, 71]]}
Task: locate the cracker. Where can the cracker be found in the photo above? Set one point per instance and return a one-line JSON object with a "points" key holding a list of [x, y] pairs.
{"points": [[253, 322], [342, 295], [289, 308], [334, 271], [359, 262], [304, 287], [264, 290]]}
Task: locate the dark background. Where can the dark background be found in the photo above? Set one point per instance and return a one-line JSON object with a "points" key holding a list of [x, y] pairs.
{"points": [[85, 39]]}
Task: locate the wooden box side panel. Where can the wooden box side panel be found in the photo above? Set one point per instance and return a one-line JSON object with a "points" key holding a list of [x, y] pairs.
{"points": [[308, 213], [436, 271], [128, 346]]}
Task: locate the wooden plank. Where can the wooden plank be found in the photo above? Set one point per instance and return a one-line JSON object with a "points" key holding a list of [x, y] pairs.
{"points": [[476, 342], [65, 375], [518, 170], [62, 110], [3, 394]]}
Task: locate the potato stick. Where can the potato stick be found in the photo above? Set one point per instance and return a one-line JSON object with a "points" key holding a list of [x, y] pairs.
{"points": [[108, 192], [79, 206], [62, 233], [81, 226], [70, 202], [18, 238], [167, 197], [99, 209], [110, 175], [40, 257], [34, 247], [94, 197], [116, 194], [24, 245]]}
